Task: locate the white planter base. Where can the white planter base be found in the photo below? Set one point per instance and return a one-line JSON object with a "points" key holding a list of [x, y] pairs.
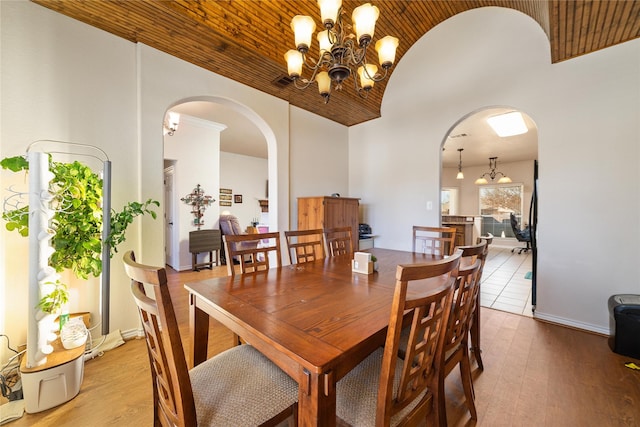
{"points": [[49, 387]]}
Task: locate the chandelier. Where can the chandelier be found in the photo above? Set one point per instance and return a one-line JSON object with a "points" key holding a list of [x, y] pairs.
{"points": [[493, 163], [341, 52]]}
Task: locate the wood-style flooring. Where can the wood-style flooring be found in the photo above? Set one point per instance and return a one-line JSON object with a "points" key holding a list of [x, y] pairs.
{"points": [[536, 374]]}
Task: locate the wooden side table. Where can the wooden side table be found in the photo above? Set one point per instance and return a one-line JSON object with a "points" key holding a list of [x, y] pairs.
{"points": [[204, 241]]}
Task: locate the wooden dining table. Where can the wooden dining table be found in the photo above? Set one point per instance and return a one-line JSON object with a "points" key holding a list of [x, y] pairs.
{"points": [[316, 321]]}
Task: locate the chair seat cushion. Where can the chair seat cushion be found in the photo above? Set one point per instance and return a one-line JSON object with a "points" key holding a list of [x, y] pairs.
{"points": [[240, 387], [357, 392]]}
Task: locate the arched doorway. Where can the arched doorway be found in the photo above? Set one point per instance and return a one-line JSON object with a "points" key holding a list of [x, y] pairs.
{"points": [[473, 148], [246, 149]]}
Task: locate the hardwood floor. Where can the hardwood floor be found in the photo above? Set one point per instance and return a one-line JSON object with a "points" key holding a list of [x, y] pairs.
{"points": [[536, 374]]}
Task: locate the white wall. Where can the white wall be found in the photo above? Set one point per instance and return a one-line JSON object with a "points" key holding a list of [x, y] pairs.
{"points": [[319, 158], [195, 148], [587, 112], [246, 176]]}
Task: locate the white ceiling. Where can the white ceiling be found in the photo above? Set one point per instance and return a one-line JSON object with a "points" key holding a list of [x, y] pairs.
{"points": [[473, 134], [240, 137], [480, 142]]}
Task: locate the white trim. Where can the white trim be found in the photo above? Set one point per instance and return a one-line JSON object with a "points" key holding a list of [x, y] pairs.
{"points": [[195, 121], [570, 323], [132, 333]]}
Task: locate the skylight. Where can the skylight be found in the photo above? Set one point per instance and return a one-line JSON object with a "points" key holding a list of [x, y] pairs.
{"points": [[508, 124]]}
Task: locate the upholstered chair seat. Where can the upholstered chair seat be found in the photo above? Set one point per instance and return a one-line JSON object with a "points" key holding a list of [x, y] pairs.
{"points": [[240, 387]]}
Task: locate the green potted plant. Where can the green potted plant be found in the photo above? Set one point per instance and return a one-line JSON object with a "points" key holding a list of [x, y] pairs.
{"points": [[76, 224]]}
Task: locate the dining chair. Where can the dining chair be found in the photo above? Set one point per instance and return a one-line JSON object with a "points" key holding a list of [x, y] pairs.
{"points": [[384, 390], [456, 341], [239, 386], [339, 241], [251, 251], [304, 245], [480, 252], [434, 240], [456, 350]]}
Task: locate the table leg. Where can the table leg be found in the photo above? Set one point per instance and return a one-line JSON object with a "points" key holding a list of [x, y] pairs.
{"points": [[198, 333], [475, 335], [317, 400]]}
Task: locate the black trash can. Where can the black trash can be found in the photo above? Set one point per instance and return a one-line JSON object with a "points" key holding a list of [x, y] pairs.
{"points": [[624, 322]]}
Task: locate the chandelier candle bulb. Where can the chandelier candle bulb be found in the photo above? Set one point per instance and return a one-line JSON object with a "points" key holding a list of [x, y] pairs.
{"points": [[324, 83], [329, 12], [294, 63], [324, 40], [364, 19], [386, 48], [303, 27], [367, 73]]}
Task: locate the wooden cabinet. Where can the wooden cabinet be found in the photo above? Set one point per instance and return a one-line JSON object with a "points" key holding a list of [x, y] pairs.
{"points": [[329, 212], [467, 228]]}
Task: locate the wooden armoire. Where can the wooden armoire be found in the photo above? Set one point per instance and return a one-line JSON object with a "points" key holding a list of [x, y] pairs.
{"points": [[329, 212]]}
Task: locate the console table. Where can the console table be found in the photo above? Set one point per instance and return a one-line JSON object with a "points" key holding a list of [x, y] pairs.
{"points": [[204, 241]]}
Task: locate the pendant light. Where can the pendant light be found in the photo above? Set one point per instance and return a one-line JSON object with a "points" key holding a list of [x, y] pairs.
{"points": [[493, 164], [460, 174]]}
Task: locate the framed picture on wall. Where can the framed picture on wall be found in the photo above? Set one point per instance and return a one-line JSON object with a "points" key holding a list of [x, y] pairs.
{"points": [[237, 198], [225, 203], [225, 191]]}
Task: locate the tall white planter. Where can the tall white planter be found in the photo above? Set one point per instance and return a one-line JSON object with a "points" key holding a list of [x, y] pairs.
{"points": [[39, 333], [46, 383]]}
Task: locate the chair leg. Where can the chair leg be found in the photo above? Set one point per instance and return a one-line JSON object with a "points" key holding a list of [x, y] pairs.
{"points": [[467, 383], [475, 337], [439, 404]]}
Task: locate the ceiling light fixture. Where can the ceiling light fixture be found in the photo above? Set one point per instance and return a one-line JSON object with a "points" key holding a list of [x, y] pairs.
{"points": [[341, 53], [493, 163], [508, 124], [171, 124], [460, 174]]}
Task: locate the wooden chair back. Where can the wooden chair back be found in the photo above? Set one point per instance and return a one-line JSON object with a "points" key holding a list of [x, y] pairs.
{"points": [[304, 245], [252, 252], [456, 347], [479, 251], [476, 252], [172, 393], [339, 241], [463, 305], [434, 240], [429, 316]]}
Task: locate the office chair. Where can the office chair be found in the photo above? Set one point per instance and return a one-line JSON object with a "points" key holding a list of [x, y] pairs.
{"points": [[521, 235]]}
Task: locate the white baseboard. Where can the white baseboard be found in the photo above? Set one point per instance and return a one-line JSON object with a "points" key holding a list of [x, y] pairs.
{"points": [[132, 333], [571, 323]]}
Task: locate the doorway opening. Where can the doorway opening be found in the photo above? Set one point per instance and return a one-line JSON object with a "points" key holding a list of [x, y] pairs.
{"points": [[470, 150], [231, 152]]}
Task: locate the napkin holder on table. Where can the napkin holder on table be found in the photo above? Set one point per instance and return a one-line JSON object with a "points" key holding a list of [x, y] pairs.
{"points": [[361, 263]]}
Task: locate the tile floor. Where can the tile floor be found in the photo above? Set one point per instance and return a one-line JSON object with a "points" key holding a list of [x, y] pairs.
{"points": [[503, 285]]}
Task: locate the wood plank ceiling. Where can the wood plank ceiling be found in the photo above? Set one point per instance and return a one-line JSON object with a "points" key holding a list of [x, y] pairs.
{"points": [[245, 40]]}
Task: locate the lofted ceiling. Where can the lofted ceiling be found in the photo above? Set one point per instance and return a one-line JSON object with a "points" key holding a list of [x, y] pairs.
{"points": [[245, 40]]}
